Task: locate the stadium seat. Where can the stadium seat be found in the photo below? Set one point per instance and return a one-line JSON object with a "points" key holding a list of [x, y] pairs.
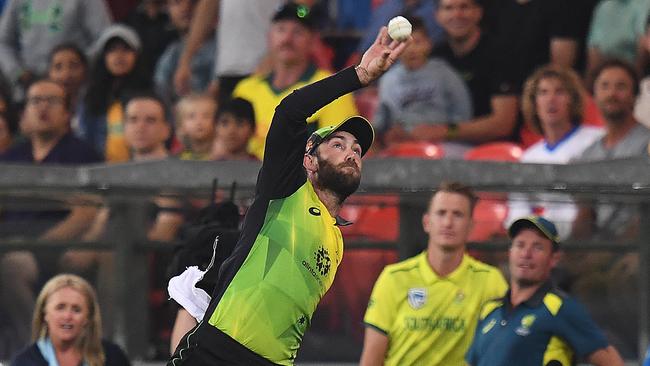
{"points": [[491, 210], [414, 149], [489, 215], [495, 151], [367, 101], [591, 113], [375, 218]]}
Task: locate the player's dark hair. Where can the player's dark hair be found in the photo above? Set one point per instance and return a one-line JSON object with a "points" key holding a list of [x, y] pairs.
{"points": [[619, 64], [239, 108]]}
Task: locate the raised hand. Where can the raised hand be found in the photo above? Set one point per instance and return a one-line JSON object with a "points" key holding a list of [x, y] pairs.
{"points": [[381, 55]]}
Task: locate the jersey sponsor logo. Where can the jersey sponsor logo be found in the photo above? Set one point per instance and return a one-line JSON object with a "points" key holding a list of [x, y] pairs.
{"points": [[487, 327], [323, 261], [417, 297], [322, 264], [314, 211], [526, 322], [445, 323]]}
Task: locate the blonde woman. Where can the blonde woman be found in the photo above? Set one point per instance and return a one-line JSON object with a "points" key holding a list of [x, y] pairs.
{"points": [[67, 327]]}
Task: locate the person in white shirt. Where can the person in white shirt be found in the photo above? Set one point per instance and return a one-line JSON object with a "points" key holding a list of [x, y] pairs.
{"points": [[552, 99]]}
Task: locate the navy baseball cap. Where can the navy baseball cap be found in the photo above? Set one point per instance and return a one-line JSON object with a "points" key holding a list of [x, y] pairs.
{"points": [[358, 126], [298, 12], [546, 227]]}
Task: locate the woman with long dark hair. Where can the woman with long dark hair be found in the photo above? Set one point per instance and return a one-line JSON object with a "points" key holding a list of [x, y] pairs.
{"points": [[116, 74]]}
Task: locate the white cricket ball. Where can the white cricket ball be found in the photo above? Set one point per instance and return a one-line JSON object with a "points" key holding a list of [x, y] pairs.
{"points": [[399, 28]]}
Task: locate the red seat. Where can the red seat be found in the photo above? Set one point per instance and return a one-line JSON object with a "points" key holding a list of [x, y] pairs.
{"points": [[491, 210], [375, 218], [367, 101], [495, 151], [489, 215], [591, 113], [414, 149]]}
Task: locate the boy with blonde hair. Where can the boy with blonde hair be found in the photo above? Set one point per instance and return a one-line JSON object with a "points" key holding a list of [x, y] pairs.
{"points": [[195, 123]]}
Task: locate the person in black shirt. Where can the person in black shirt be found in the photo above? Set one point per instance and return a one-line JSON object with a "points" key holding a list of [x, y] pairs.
{"points": [[473, 54]]}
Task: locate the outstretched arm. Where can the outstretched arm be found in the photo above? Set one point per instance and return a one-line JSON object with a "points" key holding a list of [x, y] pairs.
{"points": [[381, 55]]}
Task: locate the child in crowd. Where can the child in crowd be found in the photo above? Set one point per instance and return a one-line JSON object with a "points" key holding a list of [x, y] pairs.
{"points": [[235, 127], [116, 75], [195, 122]]}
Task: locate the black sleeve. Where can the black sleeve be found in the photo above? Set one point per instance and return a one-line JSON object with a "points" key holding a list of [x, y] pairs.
{"points": [[282, 171]]}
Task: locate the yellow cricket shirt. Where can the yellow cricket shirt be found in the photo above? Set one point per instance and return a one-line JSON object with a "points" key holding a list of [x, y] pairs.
{"points": [[260, 92], [430, 320]]}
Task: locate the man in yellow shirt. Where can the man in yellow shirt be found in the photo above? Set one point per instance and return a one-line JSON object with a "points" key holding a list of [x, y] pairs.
{"points": [[423, 311], [291, 37]]}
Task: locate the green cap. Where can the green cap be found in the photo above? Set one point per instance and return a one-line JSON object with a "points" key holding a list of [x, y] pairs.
{"points": [[547, 228], [358, 126]]}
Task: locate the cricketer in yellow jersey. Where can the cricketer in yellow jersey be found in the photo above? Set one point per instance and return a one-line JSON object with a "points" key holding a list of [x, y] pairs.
{"points": [[423, 311]]}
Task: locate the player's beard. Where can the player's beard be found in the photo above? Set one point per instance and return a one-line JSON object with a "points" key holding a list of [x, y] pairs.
{"points": [[332, 178]]}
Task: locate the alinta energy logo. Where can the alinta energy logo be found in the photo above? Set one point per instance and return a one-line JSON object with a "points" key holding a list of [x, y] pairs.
{"points": [[323, 261], [323, 264]]}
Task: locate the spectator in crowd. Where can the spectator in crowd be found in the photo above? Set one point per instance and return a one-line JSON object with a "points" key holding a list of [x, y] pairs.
{"points": [[68, 66], [67, 328], [250, 20], [474, 55], [444, 289], [642, 109], [235, 128], [181, 13], [8, 119], [290, 37], [30, 29], [46, 124], [421, 91], [116, 74], [616, 28], [581, 14], [7, 132], [388, 9], [146, 130], [616, 86], [535, 323], [552, 99], [532, 33], [195, 122], [152, 24]]}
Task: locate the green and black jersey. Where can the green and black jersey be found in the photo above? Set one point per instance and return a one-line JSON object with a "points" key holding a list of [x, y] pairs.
{"points": [[290, 246]]}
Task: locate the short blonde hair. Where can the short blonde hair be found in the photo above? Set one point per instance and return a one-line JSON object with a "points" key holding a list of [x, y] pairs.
{"points": [[569, 80], [90, 342], [184, 105]]}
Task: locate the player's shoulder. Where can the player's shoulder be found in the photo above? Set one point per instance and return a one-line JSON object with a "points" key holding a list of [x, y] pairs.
{"points": [[404, 267], [559, 302], [490, 306], [476, 266]]}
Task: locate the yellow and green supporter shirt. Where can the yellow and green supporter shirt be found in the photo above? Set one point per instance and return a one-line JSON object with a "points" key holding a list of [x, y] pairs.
{"points": [[549, 328], [430, 320], [287, 255], [260, 92]]}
